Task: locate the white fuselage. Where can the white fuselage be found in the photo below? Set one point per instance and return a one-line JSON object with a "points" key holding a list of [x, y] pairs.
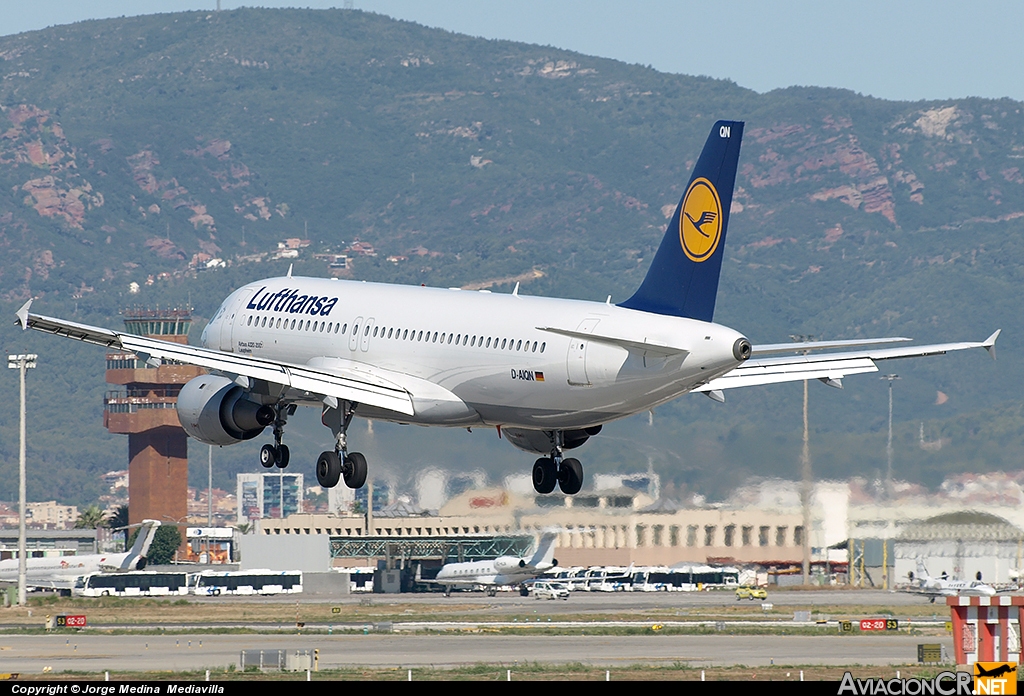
{"points": [[48, 572], [472, 573], [475, 358]]}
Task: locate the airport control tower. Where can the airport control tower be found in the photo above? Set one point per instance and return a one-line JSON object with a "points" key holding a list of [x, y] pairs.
{"points": [[144, 409]]}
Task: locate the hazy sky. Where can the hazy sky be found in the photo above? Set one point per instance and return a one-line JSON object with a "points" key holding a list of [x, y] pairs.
{"points": [[916, 49]]}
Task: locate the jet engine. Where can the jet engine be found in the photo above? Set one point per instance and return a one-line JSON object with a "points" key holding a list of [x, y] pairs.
{"points": [[217, 411], [505, 564]]}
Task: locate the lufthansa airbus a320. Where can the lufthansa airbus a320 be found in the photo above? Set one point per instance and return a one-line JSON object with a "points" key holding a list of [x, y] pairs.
{"points": [[547, 372]]}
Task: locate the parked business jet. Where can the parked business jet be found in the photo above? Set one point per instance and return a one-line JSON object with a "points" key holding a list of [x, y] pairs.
{"points": [[547, 373], [933, 588], [60, 573], [504, 570]]}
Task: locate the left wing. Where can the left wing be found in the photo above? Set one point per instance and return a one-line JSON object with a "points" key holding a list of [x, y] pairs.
{"points": [[330, 383], [830, 368]]}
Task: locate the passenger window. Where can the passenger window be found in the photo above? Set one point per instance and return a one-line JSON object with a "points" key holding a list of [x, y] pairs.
{"points": [[420, 337], [534, 349], [375, 332], [263, 324], [442, 338], [344, 328], [405, 335], [472, 343], [307, 325], [355, 329], [465, 340], [488, 343], [322, 326], [390, 332], [503, 341], [435, 337], [542, 347], [366, 331], [249, 323], [449, 339], [519, 345]]}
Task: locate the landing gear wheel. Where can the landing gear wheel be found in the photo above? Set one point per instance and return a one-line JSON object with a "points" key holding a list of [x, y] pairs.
{"points": [[355, 470], [328, 469], [283, 455], [491, 592], [570, 476], [545, 475], [268, 456]]}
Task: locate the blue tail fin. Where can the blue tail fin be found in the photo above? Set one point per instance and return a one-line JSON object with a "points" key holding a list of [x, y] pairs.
{"points": [[683, 278]]}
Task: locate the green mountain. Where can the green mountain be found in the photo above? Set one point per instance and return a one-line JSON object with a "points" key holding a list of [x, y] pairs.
{"points": [[133, 151]]}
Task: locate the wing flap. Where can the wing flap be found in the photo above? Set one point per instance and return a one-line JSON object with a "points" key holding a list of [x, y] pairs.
{"points": [[770, 348], [348, 385], [830, 366], [753, 375]]}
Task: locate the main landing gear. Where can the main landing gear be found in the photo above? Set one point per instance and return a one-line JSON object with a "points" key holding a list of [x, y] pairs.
{"points": [[277, 454], [567, 472], [331, 466]]}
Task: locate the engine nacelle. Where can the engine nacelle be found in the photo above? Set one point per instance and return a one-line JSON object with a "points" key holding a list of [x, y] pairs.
{"points": [[217, 411], [506, 564]]}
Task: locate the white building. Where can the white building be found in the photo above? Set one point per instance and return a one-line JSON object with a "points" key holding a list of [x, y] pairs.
{"points": [[263, 496]]}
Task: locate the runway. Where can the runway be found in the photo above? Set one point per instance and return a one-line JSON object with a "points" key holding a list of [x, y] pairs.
{"points": [[608, 602], [96, 653], [463, 634]]}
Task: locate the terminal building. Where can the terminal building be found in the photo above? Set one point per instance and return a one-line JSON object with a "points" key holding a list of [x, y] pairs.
{"points": [[617, 527]]}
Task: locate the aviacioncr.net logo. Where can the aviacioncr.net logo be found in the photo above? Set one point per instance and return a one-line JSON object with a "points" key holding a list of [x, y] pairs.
{"points": [[700, 223]]}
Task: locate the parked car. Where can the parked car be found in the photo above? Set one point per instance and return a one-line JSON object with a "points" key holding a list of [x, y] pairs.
{"points": [[550, 590]]}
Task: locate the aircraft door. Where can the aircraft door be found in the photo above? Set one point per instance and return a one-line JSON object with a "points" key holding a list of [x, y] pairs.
{"points": [[364, 340], [353, 340], [576, 360], [227, 324]]}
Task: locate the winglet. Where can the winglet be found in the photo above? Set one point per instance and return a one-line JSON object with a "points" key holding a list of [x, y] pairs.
{"points": [[989, 344], [23, 315], [290, 270]]}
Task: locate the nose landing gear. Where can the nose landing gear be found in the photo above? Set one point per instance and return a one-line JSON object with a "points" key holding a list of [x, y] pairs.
{"points": [[277, 454]]}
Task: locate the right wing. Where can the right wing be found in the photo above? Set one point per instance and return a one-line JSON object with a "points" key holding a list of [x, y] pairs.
{"points": [[827, 367], [336, 383]]}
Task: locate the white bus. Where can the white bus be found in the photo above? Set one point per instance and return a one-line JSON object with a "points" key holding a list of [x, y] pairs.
{"points": [[139, 583], [246, 582]]}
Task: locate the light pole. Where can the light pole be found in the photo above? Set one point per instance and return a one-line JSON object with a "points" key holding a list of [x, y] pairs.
{"points": [[21, 363], [805, 479], [888, 483], [888, 446]]}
